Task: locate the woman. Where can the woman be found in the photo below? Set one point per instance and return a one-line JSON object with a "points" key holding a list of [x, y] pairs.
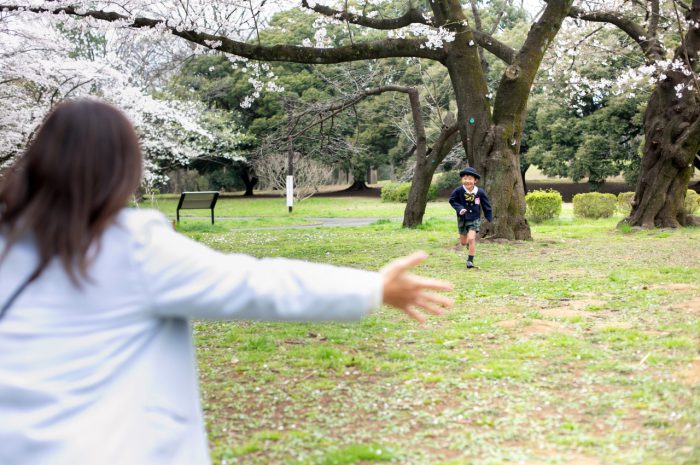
{"points": [[97, 360]]}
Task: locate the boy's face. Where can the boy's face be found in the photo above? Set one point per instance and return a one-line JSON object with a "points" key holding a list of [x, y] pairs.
{"points": [[468, 181]]}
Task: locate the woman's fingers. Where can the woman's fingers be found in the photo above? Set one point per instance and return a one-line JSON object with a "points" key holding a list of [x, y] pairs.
{"points": [[414, 314], [435, 304], [432, 283]]}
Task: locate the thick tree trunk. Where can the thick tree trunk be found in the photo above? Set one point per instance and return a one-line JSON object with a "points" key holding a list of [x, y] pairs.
{"points": [[672, 131], [504, 185]]}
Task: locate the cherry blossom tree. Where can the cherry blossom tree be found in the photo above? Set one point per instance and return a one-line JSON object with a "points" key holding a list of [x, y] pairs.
{"points": [[43, 62], [667, 34]]}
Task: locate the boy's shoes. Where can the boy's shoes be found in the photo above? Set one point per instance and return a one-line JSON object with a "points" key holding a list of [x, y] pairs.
{"points": [[470, 264]]}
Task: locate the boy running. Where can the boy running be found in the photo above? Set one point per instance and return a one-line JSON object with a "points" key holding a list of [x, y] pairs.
{"points": [[468, 200]]}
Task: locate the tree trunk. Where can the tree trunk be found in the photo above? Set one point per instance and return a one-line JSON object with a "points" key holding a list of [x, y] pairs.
{"points": [[358, 185], [523, 170], [504, 185], [426, 164], [249, 181], [672, 138], [418, 196]]}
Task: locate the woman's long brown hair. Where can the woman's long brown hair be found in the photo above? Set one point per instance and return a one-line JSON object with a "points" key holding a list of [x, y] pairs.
{"points": [[65, 190]]}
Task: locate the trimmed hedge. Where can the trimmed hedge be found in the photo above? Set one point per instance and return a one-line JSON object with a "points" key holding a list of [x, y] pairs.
{"points": [[692, 202], [543, 205], [624, 202], [398, 192], [594, 205]]}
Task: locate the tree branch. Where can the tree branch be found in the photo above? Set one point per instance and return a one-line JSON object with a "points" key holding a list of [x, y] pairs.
{"points": [[654, 20], [500, 50], [649, 44], [412, 16], [335, 108], [359, 51]]}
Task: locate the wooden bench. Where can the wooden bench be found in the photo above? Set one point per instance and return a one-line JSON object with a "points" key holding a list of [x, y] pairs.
{"points": [[197, 201]]}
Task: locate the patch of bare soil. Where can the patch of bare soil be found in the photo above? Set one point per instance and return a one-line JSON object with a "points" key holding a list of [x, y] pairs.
{"points": [[563, 312], [535, 327], [676, 287], [579, 460], [572, 309], [690, 375], [692, 305]]}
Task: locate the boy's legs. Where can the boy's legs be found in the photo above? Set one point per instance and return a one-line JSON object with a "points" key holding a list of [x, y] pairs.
{"points": [[473, 229], [471, 240], [463, 238], [463, 229]]}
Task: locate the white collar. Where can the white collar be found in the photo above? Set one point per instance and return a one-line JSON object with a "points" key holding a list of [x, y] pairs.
{"points": [[476, 188]]}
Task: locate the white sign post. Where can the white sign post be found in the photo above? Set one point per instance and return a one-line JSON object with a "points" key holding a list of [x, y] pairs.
{"points": [[290, 193]]}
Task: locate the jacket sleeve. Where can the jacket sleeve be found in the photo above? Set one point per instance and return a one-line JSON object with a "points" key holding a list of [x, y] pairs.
{"points": [[455, 200], [486, 205], [184, 278]]}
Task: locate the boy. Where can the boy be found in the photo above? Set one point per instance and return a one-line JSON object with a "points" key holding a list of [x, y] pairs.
{"points": [[468, 200]]}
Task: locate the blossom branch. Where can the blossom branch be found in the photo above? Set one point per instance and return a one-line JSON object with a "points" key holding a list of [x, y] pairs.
{"points": [[386, 48]]}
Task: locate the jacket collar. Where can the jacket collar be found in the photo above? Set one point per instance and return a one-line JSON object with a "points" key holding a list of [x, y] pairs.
{"points": [[476, 189]]}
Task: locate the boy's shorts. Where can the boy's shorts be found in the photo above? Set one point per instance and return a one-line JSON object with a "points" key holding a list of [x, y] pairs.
{"points": [[464, 225]]}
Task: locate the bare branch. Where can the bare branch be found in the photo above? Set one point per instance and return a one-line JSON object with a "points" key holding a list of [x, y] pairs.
{"points": [[334, 109], [477, 16], [649, 44], [412, 16]]}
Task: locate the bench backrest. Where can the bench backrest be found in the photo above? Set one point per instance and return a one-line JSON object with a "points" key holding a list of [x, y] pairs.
{"points": [[195, 200]]}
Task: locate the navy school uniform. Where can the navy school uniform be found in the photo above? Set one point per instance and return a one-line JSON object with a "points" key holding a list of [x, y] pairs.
{"points": [[472, 202]]}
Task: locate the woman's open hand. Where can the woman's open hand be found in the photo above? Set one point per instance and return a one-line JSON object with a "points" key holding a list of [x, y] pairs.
{"points": [[408, 292]]}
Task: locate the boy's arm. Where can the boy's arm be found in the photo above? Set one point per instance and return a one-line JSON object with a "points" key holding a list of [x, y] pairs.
{"points": [[454, 200], [486, 205]]}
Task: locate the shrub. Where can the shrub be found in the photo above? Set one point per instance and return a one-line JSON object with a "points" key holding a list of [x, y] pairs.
{"points": [[692, 202], [594, 205], [624, 202], [398, 192], [543, 205], [446, 181], [388, 192]]}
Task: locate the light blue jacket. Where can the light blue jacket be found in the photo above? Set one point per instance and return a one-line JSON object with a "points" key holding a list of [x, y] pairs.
{"points": [[106, 374]]}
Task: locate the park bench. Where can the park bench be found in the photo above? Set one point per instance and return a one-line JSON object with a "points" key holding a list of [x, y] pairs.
{"points": [[197, 201]]}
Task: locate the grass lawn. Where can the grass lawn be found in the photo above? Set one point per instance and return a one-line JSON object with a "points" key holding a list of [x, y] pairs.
{"points": [[579, 347]]}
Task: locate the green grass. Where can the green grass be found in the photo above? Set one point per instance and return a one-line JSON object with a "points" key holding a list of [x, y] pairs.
{"points": [[576, 345], [314, 207]]}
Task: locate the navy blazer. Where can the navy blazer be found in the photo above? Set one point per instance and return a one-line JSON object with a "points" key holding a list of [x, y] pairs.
{"points": [[473, 203]]}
